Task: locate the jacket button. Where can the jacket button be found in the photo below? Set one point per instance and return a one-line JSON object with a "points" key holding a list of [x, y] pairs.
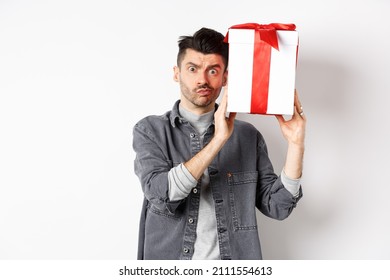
{"points": [[192, 135], [194, 190], [186, 250], [190, 220]]}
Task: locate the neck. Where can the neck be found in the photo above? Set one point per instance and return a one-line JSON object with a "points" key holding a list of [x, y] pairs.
{"points": [[197, 110], [200, 122]]}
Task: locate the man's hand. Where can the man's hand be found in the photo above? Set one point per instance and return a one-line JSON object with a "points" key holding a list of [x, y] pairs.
{"points": [[223, 130], [223, 126], [293, 131]]}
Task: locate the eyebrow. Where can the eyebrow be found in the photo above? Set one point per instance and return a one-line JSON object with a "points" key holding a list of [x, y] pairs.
{"points": [[209, 67]]}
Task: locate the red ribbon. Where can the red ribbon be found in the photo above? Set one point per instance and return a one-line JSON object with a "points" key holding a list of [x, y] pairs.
{"points": [[265, 38]]}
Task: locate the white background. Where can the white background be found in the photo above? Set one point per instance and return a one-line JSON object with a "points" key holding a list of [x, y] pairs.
{"points": [[76, 75]]}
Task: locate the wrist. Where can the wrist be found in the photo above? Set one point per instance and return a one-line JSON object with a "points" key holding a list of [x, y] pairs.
{"points": [[296, 146], [217, 142]]}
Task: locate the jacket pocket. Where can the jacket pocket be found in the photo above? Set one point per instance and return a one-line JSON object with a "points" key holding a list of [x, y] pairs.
{"points": [[242, 196], [163, 213]]}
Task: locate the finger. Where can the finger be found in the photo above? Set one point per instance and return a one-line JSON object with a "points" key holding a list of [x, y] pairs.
{"points": [[302, 115], [298, 104], [298, 113], [221, 111], [280, 119], [224, 101], [231, 117]]}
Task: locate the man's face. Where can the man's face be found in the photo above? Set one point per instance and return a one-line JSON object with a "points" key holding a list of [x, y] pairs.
{"points": [[201, 78]]}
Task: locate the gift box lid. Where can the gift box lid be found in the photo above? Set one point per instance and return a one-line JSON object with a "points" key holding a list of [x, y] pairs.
{"points": [[247, 36]]}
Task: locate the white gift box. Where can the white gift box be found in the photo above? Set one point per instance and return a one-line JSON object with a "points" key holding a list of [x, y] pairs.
{"points": [[279, 96]]}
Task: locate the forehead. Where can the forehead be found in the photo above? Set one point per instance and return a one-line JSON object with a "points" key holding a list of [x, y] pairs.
{"points": [[198, 58]]}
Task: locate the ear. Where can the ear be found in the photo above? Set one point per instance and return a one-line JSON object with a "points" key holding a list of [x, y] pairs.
{"points": [[225, 78], [176, 74]]}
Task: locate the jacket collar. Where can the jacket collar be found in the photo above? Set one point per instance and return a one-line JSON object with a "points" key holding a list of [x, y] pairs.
{"points": [[175, 116]]}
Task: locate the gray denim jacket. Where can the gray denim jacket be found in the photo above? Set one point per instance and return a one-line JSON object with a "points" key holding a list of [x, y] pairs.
{"points": [[241, 178]]}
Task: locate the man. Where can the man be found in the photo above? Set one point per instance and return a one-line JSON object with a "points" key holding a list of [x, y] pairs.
{"points": [[203, 174]]}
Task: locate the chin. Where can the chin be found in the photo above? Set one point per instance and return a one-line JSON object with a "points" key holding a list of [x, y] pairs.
{"points": [[204, 103]]}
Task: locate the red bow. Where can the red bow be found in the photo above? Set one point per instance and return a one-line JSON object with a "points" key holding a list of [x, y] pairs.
{"points": [[264, 32]]}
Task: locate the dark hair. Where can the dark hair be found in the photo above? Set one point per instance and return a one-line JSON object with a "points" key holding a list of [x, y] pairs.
{"points": [[206, 41]]}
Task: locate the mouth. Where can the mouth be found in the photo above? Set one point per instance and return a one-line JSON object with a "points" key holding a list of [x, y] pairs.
{"points": [[204, 91]]}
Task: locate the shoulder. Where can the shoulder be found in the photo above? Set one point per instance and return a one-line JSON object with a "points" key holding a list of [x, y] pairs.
{"points": [[154, 119], [153, 123], [244, 129], [244, 124]]}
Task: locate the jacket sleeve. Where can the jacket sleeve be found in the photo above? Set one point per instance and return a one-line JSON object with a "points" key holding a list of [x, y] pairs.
{"points": [[272, 198], [152, 166]]}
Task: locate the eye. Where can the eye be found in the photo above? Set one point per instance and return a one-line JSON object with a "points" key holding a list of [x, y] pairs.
{"points": [[191, 69], [213, 72]]}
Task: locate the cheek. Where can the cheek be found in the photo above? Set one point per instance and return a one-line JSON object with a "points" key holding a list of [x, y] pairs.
{"points": [[184, 86], [186, 81], [217, 82]]}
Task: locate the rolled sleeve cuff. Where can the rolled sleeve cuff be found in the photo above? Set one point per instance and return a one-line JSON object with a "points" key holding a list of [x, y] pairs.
{"points": [[180, 182], [292, 185]]}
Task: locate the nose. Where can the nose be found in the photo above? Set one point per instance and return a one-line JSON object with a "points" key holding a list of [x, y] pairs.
{"points": [[202, 78]]}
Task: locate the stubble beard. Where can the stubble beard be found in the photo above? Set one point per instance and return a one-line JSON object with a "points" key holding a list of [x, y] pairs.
{"points": [[197, 100]]}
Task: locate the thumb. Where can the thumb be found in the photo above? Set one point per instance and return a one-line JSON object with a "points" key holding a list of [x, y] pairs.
{"points": [[280, 119]]}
